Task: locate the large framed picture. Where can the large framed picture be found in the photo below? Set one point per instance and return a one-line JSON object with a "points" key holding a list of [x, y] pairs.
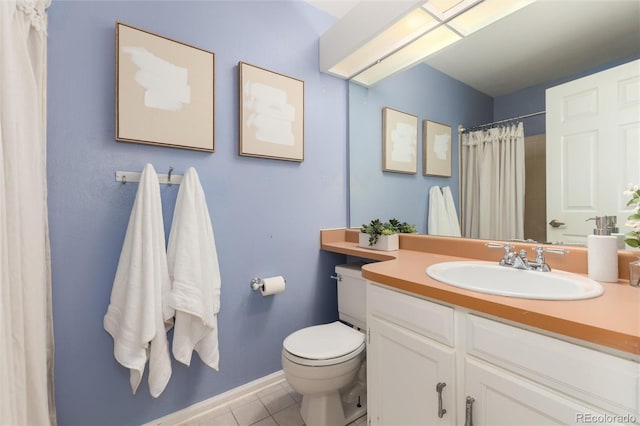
{"points": [[436, 149], [164, 91], [271, 116], [399, 141]]}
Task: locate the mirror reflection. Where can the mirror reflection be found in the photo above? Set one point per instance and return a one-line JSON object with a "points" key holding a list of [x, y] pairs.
{"points": [[458, 89]]}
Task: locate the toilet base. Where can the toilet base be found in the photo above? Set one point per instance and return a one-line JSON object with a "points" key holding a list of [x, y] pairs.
{"points": [[330, 410], [353, 412]]}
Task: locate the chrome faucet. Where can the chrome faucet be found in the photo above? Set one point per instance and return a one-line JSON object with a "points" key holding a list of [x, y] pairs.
{"points": [[519, 260], [507, 259]]}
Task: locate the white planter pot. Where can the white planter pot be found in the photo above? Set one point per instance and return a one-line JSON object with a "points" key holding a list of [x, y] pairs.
{"points": [[384, 243]]}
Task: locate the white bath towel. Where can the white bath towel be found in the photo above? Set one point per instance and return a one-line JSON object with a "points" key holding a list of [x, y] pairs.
{"points": [[442, 219], [437, 221], [452, 215], [195, 275], [136, 317]]}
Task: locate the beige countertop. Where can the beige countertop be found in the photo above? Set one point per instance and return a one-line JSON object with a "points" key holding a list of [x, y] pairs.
{"points": [[611, 320]]}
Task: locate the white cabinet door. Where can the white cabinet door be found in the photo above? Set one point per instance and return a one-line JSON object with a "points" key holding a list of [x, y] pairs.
{"points": [[504, 399], [403, 371]]}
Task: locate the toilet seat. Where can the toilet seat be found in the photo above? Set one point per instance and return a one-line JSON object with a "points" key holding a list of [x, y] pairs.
{"points": [[325, 344]]}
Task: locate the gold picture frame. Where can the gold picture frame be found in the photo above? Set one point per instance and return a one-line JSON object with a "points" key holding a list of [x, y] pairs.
{"points": [[271, 116], [399, 141], [165, 91], [436, 149]]}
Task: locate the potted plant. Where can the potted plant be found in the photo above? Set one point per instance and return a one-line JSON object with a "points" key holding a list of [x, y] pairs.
{"points": [[383, 236]]}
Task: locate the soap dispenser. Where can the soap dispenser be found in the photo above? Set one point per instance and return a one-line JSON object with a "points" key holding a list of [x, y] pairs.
{"points": [[602, 250]]}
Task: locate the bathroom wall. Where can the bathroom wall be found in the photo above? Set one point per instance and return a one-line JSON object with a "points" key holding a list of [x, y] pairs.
{"points": [[428, 94], [266, 214]]}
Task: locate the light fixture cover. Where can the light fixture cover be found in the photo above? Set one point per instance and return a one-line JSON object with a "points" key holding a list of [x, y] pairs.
{"points": [[415, 31], [408, 56]]}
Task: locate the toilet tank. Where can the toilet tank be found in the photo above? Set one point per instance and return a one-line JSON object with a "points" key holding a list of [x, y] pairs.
{"points": [[352, 295]]}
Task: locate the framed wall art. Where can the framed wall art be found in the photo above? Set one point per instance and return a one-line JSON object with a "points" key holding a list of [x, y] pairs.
{"points": [[271, 116], [436, 149], [164, 91], [399, 141]]}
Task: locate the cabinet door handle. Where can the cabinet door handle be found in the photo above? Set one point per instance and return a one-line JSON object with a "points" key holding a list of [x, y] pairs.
{"points": [[468, 418], [441, 411]]}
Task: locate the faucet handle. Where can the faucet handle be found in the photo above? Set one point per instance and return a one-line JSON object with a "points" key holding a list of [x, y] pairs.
{"points": [[506, 246], [508, 253], [540, 256], [541, 249]]}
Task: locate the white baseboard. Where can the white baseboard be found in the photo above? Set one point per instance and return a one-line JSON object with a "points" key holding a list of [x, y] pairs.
{"points": [[217, 401]]}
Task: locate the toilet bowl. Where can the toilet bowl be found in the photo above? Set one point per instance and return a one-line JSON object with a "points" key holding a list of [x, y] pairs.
{"points": [[326, 363], [320, 361]]}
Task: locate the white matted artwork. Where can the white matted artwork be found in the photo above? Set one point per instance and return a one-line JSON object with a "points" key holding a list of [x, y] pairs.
{"points": [[436, 149], [164, 91], [399, 141], [271, 116]]}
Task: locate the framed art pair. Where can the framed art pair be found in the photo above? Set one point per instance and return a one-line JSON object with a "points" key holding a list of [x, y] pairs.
{"points": [[165, 93], [400, 144]]}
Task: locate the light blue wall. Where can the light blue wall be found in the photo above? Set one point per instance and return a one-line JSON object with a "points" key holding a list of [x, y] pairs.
{"points": [[266, 214], [428, 94]]}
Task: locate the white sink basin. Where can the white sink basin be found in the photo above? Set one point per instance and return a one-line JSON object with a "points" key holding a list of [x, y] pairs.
{"points": [[491, 278]]}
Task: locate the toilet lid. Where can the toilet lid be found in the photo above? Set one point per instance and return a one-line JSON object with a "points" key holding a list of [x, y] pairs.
{"points": [[324, 341]]}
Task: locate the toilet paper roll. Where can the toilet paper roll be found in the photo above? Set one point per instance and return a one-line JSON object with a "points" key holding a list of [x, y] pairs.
{"points": [[273, 285]]}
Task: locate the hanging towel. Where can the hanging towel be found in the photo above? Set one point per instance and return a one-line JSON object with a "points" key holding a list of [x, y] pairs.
{"points": [[452, 215], [195, 275], [437, 222], [137, 317]]}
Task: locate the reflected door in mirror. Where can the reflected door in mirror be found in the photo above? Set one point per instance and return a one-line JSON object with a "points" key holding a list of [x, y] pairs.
{"points": [[592, 123]]}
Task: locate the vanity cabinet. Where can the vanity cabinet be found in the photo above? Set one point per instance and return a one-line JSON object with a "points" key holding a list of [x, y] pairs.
{"points": [[410, 360], [495, 373], [413, 378], [501, 398]]}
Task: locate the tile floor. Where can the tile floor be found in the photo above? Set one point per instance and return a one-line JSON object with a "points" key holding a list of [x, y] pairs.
{"points": [[276, 405]]}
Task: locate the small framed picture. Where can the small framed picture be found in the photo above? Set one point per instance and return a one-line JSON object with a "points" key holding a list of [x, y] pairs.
{"points": [[436, 149], [271, 114], [164, 91], [399, 141]]}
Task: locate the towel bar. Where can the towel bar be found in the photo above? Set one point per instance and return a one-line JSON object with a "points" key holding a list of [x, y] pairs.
{"points": [[168, 179]]}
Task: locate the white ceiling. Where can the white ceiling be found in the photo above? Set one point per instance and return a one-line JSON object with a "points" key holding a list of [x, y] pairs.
{"points": [[545, 41]]}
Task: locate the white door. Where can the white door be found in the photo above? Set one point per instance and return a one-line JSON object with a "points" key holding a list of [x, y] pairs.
{"points": [[593, 150], [503, 399], [403, 373]]}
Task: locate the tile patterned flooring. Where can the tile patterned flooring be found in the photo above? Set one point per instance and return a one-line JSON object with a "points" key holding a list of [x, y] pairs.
{"points": [[276, 405]]}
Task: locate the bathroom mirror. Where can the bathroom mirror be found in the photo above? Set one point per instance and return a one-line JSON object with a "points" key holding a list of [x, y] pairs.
{"points": [[553, 58]]}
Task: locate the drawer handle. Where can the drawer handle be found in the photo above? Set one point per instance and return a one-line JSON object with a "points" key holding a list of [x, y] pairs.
{"points": [[468, 417], [441, 411]]}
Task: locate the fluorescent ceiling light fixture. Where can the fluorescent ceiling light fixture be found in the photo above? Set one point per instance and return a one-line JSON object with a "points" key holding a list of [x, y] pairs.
{"points": [[446, 9], [484, 14], [402, 32], [409, 55], [442, 5], [425, 29]]}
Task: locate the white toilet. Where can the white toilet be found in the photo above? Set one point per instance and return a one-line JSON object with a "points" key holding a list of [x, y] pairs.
{"points": [[326, 363]]}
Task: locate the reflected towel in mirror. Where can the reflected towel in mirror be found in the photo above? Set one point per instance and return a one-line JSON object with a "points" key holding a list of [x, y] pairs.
{"points": [[442, 217]]}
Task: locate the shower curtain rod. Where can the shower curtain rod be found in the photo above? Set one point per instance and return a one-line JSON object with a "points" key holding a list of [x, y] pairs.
{"points": [[461, 129]]}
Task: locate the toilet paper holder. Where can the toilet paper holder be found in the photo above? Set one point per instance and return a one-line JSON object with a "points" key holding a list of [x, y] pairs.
{"points": [[257, 284], [268, 286]]}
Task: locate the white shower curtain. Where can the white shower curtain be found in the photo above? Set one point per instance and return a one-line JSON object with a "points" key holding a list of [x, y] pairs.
{"points": [[493, 176], [26, 331]]}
